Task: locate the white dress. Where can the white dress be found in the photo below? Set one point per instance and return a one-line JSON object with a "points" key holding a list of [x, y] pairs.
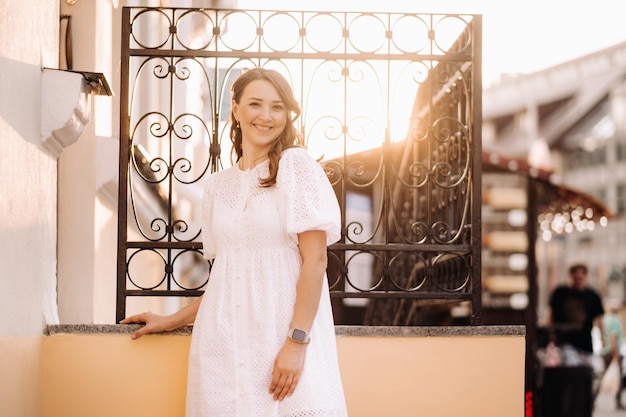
{"points": [[247, 307]]}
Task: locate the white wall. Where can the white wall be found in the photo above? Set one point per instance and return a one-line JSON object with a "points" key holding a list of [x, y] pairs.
{"points": [[87, 222], [58, 229], [28, 175]]}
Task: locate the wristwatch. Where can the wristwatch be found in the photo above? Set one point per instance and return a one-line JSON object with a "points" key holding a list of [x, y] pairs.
{"points": [[299, 336]]}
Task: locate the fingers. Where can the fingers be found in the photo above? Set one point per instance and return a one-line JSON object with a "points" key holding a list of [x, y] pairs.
{"points": [[275, 381], [288, 367], [139, 333], [137, 318], [279, 396], [281, 387], [283, 384], [293, 385]]}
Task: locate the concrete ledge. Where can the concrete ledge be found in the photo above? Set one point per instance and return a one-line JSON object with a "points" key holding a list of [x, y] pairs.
{"points": [[355, 331], [92, 329], [425, 331]]}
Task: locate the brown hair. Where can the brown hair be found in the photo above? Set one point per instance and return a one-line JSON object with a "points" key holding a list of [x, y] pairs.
{"points": [[288, 138], [576, 267]]}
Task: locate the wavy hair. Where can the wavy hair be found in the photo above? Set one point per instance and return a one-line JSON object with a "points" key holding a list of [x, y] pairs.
{"points": [[290, 136]]}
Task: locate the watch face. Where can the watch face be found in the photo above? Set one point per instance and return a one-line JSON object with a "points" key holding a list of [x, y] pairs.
{"points": [[299, 335]]}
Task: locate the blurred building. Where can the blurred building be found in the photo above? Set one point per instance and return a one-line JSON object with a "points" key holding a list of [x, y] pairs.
{"points": [[569, 121]]}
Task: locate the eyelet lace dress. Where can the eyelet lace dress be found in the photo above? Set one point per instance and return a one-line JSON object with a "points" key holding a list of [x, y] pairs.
{"points": [[246, 310]]}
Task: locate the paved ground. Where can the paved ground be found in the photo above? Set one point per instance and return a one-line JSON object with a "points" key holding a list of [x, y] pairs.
{"points": [[605, 406]]}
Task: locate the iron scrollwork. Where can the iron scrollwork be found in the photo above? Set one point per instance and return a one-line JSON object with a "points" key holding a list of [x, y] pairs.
{"points": [[389, 103]]}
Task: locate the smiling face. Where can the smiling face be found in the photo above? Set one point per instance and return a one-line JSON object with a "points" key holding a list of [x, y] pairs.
{"points": [[262, 116]]}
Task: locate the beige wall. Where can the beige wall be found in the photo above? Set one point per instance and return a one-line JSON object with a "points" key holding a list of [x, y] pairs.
{"points": [[100, 375], [480, 376], [87, 214], [20, 369], [110, 375]]}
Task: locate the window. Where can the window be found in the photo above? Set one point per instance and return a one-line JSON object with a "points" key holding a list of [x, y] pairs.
{"points": [[620, 205]]}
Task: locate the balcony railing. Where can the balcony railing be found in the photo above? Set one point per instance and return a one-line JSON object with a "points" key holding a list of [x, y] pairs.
{"points": [[391, 107]]}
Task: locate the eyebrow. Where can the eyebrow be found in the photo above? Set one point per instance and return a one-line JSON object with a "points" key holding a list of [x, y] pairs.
{"points": [[260, 99]]}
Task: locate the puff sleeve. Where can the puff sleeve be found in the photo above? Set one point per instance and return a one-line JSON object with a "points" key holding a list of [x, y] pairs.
{"points": [[208, 245], [306, 198]]}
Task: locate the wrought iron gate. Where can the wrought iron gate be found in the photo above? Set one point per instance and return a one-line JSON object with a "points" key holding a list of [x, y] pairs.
{"points": [[391, 106]]}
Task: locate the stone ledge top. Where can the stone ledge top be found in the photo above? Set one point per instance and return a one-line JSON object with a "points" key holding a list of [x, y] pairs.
{"points": [[353, 331]]}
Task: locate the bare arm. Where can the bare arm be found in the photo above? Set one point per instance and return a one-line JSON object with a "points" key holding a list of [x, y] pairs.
{"points": [[156, 323], [614, 346], [290, 360], [599, 322], [312, 246]]}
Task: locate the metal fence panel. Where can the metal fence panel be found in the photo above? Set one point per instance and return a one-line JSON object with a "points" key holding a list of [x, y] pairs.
{"points": [[391, 107]]}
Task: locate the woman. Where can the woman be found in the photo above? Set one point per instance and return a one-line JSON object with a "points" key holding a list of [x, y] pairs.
{"points": [[263, 341]]}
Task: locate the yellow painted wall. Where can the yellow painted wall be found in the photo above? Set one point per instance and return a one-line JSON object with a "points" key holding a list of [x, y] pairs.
{"points": [[480, 376], [19, 376], [110, 375], [73, 375]]}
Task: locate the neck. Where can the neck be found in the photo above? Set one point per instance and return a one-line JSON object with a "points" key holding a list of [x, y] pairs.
{"points": [[252, 157], [248, 162]]}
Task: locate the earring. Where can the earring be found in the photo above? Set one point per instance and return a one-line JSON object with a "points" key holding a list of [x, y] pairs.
{"points": [[238, 126]]}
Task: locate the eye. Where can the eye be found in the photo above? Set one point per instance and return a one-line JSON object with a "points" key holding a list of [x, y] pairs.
{"points": [[278, 107]]}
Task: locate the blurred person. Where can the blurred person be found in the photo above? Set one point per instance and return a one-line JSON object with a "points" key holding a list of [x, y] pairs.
{"points": [[611, 350], [574, 310]]}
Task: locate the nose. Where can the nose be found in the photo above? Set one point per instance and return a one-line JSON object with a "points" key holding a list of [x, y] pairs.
{"points": [[266, 113]]}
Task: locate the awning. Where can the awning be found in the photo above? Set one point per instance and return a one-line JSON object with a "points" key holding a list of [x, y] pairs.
{"points": [[560, 208]]}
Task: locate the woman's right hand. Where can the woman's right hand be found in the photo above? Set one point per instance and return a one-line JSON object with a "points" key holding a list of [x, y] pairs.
{"points": [[154, 323]]}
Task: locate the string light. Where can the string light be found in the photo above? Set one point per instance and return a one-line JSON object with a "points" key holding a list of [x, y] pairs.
{"points": [[578, 219]]}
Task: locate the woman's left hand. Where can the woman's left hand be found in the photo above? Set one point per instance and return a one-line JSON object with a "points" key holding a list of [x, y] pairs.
{"points": [[287, 369]]}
